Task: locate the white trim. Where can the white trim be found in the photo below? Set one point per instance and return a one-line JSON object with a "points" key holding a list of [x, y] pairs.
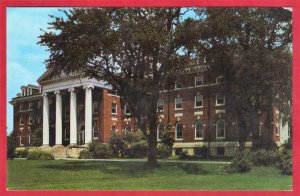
{"points": [[175, 88], [157, 130], [125, 108], [195, 130], [21, 119], [30, 119], [114, 113], [201, 79], [219, 77], [95, 106], [176, 138], [178, 98], [195, 98], [223, 137], [217, 100]]}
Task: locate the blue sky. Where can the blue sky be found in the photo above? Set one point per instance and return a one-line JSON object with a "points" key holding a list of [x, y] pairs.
{"points": [[24, 57]]}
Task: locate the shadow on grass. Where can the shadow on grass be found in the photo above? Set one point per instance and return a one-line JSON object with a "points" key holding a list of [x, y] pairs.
{"points": [[134, 169]]}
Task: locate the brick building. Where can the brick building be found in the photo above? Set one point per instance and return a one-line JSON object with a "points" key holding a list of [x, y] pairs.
{"points": [[73, 110]]}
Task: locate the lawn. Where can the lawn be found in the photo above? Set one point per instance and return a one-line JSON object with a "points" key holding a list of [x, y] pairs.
{"points": [[96, 175]]}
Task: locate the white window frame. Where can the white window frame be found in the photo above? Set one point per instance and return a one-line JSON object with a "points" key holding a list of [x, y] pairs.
{"points": [[30, 119], [222, 137], [158, 102], [126, 128], [93, 130], [116, 109], [218, 104], [125, 109], [21, 136], [199, 78], [176, 128], [195, 106], [201, 123], [21, 119], [21, 107], [30, 107], [277, 130], [176, 100], [113, 128], [158, 130]]}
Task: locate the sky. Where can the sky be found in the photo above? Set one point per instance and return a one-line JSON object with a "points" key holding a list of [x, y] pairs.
{"points": [[24, 56]]}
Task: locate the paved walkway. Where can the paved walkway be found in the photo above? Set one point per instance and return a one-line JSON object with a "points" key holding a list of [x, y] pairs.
{"points": [[144, 160]]}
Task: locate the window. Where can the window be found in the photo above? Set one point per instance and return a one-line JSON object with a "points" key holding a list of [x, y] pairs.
{"points": [[114, 108], [21, 107], [198, 80], [220, 80], [21, 137], [178, 103], [277, 130], [220, 99], [95, 108], [220, 129], [21, 120], [95, 130], [198, 101], [67, 134], [127, 128], [160, 130], [178, 85], [127, 109], [30, 119], [160, 105], [179, 134], [199, 130], [30, 106]]}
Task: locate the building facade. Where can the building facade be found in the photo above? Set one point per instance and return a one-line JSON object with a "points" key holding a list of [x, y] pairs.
{"points": [[72, 110]]}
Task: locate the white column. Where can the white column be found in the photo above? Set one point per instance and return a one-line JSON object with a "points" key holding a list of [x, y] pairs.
{"points": [[88, 114], [73, 117], [58, 119], [45, 120]]}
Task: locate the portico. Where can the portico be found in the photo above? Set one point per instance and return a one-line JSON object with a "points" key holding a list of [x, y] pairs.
{"points": [[69, 87]]}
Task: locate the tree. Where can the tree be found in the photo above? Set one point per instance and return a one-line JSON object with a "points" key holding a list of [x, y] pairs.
{"points": [[134, 49], [251, 47], [11, 145]]}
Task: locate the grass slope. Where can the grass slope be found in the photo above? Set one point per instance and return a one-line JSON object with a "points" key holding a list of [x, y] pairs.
{"points": [[95, 175]]}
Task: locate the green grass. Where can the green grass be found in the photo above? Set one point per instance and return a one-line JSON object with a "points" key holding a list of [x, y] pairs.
{"points": [[95, 175]]}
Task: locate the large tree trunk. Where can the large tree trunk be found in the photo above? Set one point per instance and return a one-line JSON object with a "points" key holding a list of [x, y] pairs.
{"points": [[152, 151]]}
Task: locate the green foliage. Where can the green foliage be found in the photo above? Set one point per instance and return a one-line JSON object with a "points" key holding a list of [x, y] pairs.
{"points": [[117, 144], [37, 137], [265, 158], [100, 150], [39, 155], [163, 151], [128, 144], [288, 144], [85, 154], [191, 168], [167, 137], [202, 152], [285, 163], [240, 163], [21, 153], [10, 146]]}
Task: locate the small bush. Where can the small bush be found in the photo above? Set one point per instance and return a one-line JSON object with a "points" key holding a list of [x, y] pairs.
{"points": [[240, 163], [10, 146], [191, 168], [265, 158], [163, 151], [137, 150], [21, 153], [167, 137], [285, 163], [117, 144], [100, 150], [40, 155], [183, 155], [288, 144], [85, 154], [202, 152]]}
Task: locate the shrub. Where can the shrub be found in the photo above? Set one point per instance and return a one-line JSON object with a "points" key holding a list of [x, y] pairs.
{"points": [[128, 144], [240, 163], [183, 155], [167, 137], [40, 155], [163, 151], [85, 154], [100, 150], [21, 153], [285, 163], [191, 168], [117, 144], [11, 146], [288, 144], [137, 149], [265, 158]]}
